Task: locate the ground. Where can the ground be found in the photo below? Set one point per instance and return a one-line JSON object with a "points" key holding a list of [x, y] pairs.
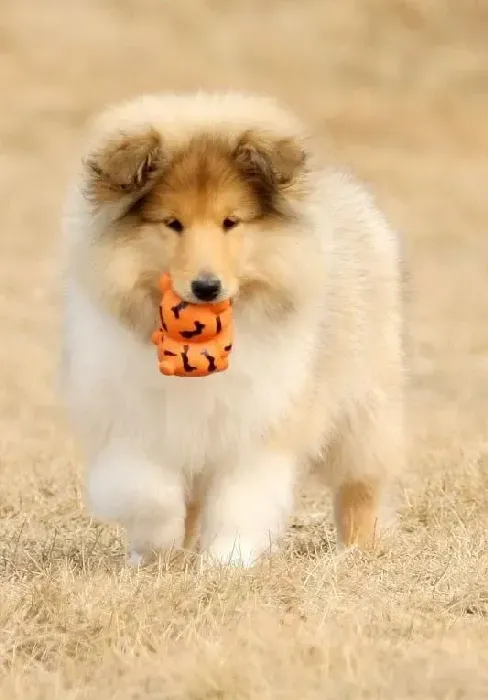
{"points": [[398, 91]]}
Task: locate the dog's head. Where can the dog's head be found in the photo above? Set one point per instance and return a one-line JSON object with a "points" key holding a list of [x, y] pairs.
{"points": [[220, 208]]}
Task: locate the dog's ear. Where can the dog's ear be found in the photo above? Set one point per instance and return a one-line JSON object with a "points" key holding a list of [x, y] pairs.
{"points": [[125, 165], [275, 164]]}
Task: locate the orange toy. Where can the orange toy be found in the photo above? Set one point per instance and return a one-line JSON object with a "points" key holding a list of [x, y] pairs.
{"points": [[194, 339]]}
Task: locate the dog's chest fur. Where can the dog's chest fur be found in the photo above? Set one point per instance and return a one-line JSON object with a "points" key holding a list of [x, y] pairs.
{"points": [[188, 422]]}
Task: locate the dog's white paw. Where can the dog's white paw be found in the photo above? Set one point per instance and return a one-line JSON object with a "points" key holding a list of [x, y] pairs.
{"points": [[229, 553]]}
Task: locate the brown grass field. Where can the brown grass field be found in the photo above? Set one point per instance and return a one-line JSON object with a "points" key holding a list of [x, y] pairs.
{"points": [[398, 90]]}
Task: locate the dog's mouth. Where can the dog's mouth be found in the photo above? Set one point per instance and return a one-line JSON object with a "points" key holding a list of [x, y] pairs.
{"points": [[221, 298], [199, 297]]}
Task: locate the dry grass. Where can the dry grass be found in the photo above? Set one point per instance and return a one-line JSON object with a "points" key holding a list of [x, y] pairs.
{"points": [[399, 90]]}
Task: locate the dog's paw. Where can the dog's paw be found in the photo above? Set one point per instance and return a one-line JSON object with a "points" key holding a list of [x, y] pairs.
{"points": [[229, 553]]}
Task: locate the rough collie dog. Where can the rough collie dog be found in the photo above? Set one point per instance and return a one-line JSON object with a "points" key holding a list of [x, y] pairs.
{"points": [[225, 193]]}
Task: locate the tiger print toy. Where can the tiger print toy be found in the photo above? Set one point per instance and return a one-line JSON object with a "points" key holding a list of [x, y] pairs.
{"points": [[194, 340]]}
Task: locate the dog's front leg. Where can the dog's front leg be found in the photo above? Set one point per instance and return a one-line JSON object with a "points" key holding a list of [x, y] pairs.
{"points": [[142, 496], [246, 507]]}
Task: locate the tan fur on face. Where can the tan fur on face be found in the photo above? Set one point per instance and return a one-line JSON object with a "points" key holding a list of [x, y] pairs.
{"points": [[250, 177], [201, 189]]}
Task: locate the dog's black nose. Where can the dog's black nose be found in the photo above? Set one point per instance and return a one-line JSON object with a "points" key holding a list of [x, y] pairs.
{"points": [[206, 288]]}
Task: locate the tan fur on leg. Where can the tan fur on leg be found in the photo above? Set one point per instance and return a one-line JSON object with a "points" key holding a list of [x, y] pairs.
{"points": [[191, 524], [356, 510]]}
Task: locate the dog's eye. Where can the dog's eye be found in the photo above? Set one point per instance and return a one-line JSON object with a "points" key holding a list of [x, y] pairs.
{"points": [[174, 224], [229, 222]]}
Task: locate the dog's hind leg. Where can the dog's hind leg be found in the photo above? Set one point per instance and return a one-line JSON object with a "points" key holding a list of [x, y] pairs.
{"points": [[363, 462]]}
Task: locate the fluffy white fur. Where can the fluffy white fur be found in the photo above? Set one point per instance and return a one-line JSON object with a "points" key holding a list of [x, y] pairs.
{"points": [[323, 384]]}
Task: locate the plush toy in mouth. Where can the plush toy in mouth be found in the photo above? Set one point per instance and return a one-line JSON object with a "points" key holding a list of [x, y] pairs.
{"points": [[194, 340]]}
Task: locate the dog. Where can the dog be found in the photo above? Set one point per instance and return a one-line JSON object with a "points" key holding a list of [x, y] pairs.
{"points": [[227, 193]]}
